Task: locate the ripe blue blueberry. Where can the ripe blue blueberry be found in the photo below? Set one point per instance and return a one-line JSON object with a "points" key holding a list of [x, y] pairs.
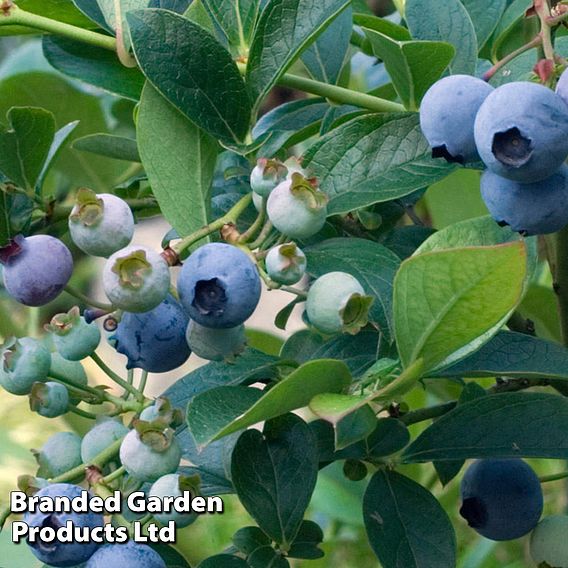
{"points": [[100, 437], [172, 485], [337, 303], [501, 498], [49, 399], [266, 175], [57, 553], [73, 337], [548, 544], [22, 363], [100, 224], [127, 555], [285, 264], [36, 269], [562, 87], [297, 208], [155, 340], [59, 454], [216, 344], [521, 131], [530, 208], [447, 116], [151, 454], [219, 286], [136, 279]]}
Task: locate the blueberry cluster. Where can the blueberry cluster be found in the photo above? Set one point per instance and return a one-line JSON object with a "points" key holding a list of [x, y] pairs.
{"points": [[520, 132]]}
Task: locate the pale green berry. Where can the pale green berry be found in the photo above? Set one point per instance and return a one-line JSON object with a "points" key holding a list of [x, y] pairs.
{"points": [[23, 362], [222, 344], [286, 264], [549, 542]]}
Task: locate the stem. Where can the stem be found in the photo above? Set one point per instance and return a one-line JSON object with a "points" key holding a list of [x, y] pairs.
{"points": [[542, 8], [262, 236], [256, 226], [296, 291], [143, 380], [130, 380], [554, 477], [81, 412], [230, 217], [535, 42], [71, 290], [17, 17], [118, 380], [116, 474]]}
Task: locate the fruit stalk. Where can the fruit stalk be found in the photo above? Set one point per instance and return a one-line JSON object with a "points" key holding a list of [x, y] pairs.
{"points": [[118, 380]]}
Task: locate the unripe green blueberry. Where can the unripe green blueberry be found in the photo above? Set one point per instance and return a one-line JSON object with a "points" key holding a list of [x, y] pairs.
{"points": [[100, 437], [163, 411], [70, 371], [286, 264], [266, 175], [100, 224], [73, 337], [148, 455], [136, 279], [297, 208], [549, 542], [337, 303], [49, 399], [216, 344], [257, 201], [172, 485], [59, 454], [22, 363]]}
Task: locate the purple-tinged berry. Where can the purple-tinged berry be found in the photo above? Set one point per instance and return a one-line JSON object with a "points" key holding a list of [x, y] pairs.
{"points": [[154, 340], [73, 337], [22, 363], [136, 279], [36, 269], [219, 286], [128, 555], [297, 208], [216, 344], [286, 264], [100, 224]]}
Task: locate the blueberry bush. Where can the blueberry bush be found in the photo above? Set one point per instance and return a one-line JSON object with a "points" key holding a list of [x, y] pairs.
{"points": [[396, 171]]}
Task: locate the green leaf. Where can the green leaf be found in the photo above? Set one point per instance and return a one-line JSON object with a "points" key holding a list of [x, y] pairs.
{"points": [[284, 28], [540, 306], [5, 228], [236, 19], [358, 352], [373, 158], [372, 264], [267, 557], [25, 144], [445, 21], [389, 437], [116, 147], [485, 15], [503, 425], [406, 525], [108, 9], [171, 557], [180, 167], [193, 71], [404, 62], [275, 473], [354, 427], [223, 561], [514, 355], [93, 65], [307, 540], [91, 9], [514, 13], [448, 303], [224, 410], [325, 58], [248, 539]]}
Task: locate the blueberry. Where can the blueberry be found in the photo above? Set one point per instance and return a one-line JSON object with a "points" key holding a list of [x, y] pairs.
{"points": [[266, 175], [128, 555], [257, 201], [521, 131], [447, 116], [136, 279], [73, 337], [22, 363], [216, 344], [58, 553], [562, 87], [285, 264], [530, 208], [155, 340], [70, 371], [100, 224], [297, 208], [219, 286], [548, 544], [501, 498], [163, 411], [100, 437], [337, 303], [36, 269], [150, 455], [59, 454], [172, 485], [49, 399]]}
